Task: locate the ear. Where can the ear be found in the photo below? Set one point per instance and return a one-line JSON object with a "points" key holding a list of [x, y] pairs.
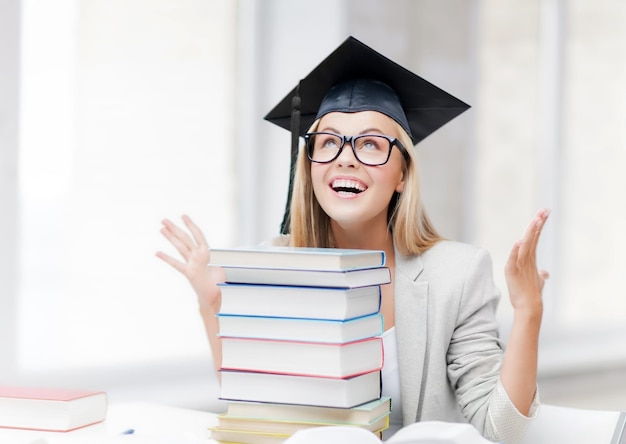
{"points": [[400, 186]]}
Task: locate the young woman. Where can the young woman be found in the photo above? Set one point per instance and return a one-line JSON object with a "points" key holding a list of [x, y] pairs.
{"points": [[356, 186]]}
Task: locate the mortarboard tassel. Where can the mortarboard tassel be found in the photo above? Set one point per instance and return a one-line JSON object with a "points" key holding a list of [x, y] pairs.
{"points": [[295, 137]]}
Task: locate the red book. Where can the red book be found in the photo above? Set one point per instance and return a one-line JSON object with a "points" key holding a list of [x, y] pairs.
{"points": [[50, 409]]}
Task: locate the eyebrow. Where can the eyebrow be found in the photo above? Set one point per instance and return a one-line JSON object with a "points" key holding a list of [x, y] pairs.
{"points": [[365, 131]]}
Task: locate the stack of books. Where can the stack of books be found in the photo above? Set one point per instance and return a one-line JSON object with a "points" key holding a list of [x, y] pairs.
{"points": [[301, 341]]}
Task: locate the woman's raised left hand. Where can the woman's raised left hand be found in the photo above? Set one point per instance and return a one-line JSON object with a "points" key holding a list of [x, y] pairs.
{"points": [[524, 281]]}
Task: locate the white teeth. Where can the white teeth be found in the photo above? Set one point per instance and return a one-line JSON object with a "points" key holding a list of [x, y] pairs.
{"points": [[345, 183]]}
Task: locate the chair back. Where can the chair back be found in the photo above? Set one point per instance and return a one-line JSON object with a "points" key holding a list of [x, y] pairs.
{"points": [[556, 424]]}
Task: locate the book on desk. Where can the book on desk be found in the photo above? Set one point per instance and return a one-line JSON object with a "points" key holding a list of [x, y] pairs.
{"points": [[283, 325], [282, 427], [50, 409], [258, 423], [362, 414]]}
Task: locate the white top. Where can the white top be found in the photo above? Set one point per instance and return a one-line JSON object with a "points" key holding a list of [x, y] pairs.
{"points": [[391, 381]]}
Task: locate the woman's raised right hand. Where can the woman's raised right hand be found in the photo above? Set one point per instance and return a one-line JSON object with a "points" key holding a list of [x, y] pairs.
{"points": [[196, 256]]}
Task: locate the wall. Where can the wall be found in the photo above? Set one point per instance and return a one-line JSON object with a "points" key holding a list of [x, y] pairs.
{"points": [[159, 113]]}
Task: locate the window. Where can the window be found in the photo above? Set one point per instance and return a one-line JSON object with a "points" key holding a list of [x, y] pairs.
{"points": [[125, 120]]}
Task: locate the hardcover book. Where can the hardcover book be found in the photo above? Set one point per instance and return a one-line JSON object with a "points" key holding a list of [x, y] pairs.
{"points": [[302, 358], [299, 302], [275, 426], [361, 414], [299, 329], [297, 258], [311, 278], [50, 409], [303, 390], [247, 437]]}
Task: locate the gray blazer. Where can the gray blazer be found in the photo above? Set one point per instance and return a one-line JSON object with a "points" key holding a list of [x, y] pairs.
{"points": [[449, 351]]}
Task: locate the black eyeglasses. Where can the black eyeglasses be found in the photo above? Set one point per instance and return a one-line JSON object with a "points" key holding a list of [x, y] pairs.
{"points": [[369, 149]]}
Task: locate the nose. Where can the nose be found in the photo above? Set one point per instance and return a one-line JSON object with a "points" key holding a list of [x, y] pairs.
{"points": [[347, 157]]}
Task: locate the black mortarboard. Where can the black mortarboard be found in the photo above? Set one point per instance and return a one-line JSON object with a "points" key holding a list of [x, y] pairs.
{"points": [[355, 78]]}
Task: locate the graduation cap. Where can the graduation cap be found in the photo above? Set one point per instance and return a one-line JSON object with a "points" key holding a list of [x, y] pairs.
{"points": [[354, 78]]}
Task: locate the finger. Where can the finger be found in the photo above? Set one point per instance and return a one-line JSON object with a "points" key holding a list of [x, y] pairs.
{"points": [[179, 233], [543, 277], [544, 274], [530, 239], [526, 238], [180, 246], [530, 228], [171, 261], [541, 218], [195, 231]]}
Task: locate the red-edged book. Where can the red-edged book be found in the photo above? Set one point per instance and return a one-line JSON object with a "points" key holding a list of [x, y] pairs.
{"points": [[50, 409], [343, 360]]}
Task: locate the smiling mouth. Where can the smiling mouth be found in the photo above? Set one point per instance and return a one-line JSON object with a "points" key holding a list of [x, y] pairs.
{"points": [[344, 186]]}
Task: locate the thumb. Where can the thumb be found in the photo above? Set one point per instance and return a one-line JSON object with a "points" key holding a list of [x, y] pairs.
{"points": [[513, 255]]}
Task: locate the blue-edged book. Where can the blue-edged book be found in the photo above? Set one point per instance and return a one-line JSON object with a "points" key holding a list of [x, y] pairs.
{"points": [[299, 302], [298, 329]]}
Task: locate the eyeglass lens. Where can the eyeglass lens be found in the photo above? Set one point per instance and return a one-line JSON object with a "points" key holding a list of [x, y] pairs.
{"points": [[369, 149]]}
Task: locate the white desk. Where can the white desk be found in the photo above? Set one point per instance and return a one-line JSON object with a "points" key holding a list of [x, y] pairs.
{"points": [[159, 424], [152, 424]]}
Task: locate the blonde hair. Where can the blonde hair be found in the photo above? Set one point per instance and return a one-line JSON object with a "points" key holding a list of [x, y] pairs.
{"points": [[413, 233]]}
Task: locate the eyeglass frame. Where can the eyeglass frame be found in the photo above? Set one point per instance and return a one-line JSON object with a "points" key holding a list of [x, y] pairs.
{"points": [[393, 141]]}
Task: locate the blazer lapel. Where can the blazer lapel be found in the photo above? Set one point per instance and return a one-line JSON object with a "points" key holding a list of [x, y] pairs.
{"points": [[411, 316]]}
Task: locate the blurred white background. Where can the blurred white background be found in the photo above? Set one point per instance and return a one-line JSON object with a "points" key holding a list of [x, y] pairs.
{"points": [[116, 114]]}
